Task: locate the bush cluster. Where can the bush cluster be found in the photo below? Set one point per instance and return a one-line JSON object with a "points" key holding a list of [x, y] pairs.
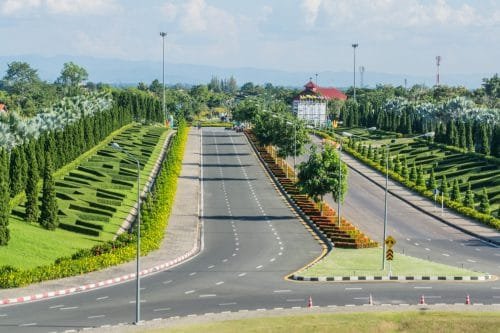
{"points": [[155, 212]]}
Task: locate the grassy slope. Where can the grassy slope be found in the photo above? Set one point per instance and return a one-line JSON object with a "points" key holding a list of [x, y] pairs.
{"points": [[26, 251], [343, 262], [411, 321]]}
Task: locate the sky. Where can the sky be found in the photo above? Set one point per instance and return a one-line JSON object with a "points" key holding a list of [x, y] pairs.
{"points": [[394, 36]]}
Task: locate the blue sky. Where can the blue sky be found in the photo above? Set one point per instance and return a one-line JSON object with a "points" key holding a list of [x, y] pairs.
{"points": [[394, 36]]}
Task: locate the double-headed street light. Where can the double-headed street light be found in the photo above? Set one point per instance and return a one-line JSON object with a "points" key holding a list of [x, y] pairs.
{"points": [[354, 46], [117, 147]]}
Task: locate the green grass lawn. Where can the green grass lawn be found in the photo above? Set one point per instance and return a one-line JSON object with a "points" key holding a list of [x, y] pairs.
{"points": [[94, 197], [368, 262], [384, 322]]}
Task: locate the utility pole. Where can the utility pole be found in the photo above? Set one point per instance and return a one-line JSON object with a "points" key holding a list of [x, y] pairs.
{"points": [[438, 63]]}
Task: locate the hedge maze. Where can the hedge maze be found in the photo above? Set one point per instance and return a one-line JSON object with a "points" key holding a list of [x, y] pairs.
{"points": [[95, 197]]}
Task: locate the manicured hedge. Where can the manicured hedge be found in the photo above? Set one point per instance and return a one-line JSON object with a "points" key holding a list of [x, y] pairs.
{"points": [[469, 212], [155, 213]]}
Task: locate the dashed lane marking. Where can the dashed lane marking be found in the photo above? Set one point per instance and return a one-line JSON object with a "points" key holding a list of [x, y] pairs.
{"points": [[281, 291], [191, 274], [226, 304], [219, 283], [211, 266], [167, 282], [189, 292], [353, 288], [470, 260], [69, 308], [445, 254], [162, 309], [28, 324], [101, 298], [56, 306], [207, 295], [420, 287], [96, 316], [259, 267], [242, 274]]}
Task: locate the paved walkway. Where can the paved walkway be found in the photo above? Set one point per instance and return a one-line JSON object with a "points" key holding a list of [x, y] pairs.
{"points": [[181, 234]]}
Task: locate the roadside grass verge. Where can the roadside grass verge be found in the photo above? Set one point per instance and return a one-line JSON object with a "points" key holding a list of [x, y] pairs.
{"points": [[368, 262], [91, 206], [410, 321]]}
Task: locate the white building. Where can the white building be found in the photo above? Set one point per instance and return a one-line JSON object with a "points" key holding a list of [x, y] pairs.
{"points": [[310, 104]]}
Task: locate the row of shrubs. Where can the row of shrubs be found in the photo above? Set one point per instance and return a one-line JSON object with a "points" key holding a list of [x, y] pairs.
{"points": [[456, 206], [155, 212]]}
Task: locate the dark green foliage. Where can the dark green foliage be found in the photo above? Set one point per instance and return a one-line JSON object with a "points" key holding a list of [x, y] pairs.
{"points": [[4, 199], [469, 198], [405, 172], [420, 176], [18, 168], [31, 189], [484, 204], [48, 215], [413, 173], [455, 192], [432, 184], [445, 189]]}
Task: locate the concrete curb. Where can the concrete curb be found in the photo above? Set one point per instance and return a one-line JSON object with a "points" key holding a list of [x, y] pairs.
{"points": [[390, 278], [104, 283]]}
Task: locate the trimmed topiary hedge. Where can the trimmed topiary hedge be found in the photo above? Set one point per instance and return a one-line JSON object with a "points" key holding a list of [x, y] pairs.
{"points": [[155, 210]]}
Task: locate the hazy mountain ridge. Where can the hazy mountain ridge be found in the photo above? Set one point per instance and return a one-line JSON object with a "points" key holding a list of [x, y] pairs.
{"points": [[116, 71]]}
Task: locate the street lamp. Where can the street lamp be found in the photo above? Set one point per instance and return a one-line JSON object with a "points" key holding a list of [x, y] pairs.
{"points": [[354, 46], [294, 144], [117, 147], [163, 35]]}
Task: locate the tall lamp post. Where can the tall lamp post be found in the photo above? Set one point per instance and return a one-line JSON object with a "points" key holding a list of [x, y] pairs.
{"points": [[294, 144], [354, 46], [340, 182], [117, 147], [163, 35]]}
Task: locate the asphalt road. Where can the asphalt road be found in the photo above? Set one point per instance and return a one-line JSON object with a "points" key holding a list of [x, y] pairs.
{"points": [[251, 241]]}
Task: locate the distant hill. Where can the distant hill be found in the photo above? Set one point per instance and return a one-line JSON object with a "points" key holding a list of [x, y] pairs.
{"points": [[125, 72]]}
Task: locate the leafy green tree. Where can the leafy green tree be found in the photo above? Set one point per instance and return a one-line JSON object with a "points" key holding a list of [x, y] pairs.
{"points": [[72, 76], [48, 215], [484, 204], [405, 172], [4, 199], [413, 173], [455, 192], [319, 175], [31, 190], [469, 198]]}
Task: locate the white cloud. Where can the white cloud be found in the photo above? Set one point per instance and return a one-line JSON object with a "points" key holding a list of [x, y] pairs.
{"points": [[169, 11], [311, 8], [73, 7], [9, 7]]}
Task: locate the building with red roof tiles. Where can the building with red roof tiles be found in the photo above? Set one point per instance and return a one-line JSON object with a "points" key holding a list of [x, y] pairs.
{"points": [[310, 104]]}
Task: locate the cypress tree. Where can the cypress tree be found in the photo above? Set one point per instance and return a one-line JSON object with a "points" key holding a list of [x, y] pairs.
{"points": [[370, 152], [4, 199], [16, 171], [484, 204], [432, 181], [31, 190], [413, 173], [469, 198], [397, 165], [470, 140], [455, 192], [420, 176], [48, 216], [484, 140], [462, 139], [405, 172], [445, 190]]}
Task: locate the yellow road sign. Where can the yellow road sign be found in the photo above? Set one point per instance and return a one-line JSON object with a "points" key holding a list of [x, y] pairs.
{"points": [[390, 241], [389, 254]]}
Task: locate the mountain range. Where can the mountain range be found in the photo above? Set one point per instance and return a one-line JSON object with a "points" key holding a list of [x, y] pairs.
{"points": [[128, 72]]}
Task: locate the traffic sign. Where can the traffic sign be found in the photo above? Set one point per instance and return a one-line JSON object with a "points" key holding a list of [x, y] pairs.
{"points": [[389, 254], [390, 241]]}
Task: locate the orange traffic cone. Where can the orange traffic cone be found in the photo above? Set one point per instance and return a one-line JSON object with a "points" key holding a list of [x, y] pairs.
{"points": [[370, 300], [467, 300], [422, 300], [310, 303]]}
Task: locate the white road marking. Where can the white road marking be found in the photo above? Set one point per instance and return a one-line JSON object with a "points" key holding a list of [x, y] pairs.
{"points": [[56, 306], [259, 267], [427, 249], [470, 260], [408, 239], [161, 309], [353, 288], [295, 300], [237, 244], [191, 274], [3, 315], [419, 287], [219, 283], [207, 295], [211, 266], [417, 244], [281, 253], [96, 316], [29, 324], [282, 291], [234, 254], [272, 259], [167, 282], [242, 274], [478, 249], [224, 260], [495, 288], [101, 298], [225, 304], [133, 302], [69, 308], [189, 292], [445, 254], [430, 296]]}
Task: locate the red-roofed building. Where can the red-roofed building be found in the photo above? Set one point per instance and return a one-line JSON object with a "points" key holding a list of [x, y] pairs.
{"points": [[310, 104]]}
